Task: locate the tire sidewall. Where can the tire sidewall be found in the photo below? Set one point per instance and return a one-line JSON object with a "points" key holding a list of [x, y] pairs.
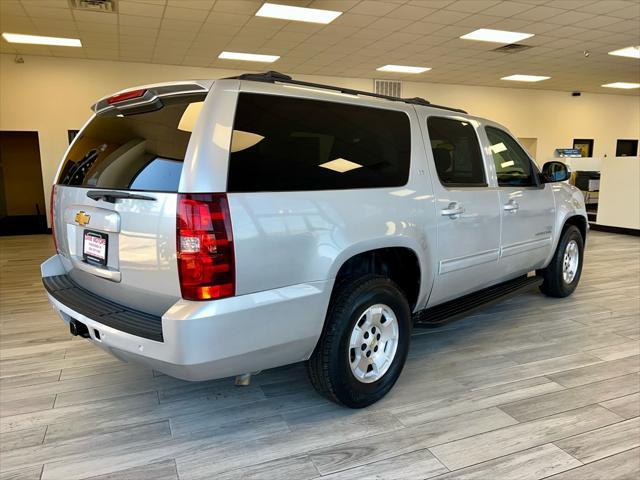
{"points": [[349, 389]]}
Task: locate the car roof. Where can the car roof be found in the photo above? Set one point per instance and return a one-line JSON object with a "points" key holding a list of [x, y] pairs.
{"points": [[276, 77]]}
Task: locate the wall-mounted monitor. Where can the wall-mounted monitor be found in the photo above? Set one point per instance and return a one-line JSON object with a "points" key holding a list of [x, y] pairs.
{"points": [[626, 148]]}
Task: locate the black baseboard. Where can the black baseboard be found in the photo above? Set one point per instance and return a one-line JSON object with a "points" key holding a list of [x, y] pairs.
{"points": [[606, 228]]}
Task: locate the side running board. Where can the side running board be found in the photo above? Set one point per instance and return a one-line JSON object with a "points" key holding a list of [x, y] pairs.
{"points": [[445, 312]]}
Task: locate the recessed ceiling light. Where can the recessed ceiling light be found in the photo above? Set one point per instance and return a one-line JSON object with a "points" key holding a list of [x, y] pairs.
{"points": [[40, 40], [340, 165], [402, 69], [625, 85], [631, 52], [497, 36], [249, 57], [525, 78], [298, 14]]}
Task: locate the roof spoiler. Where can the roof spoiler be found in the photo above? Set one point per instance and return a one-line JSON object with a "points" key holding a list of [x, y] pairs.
{"points": [[273, 77], [142, 99]]}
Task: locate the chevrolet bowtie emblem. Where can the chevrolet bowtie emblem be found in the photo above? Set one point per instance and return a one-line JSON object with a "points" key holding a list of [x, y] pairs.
{"points": [[82, 218]]}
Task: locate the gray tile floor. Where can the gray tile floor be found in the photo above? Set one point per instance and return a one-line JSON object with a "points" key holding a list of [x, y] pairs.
{"points": [[530, 388]]}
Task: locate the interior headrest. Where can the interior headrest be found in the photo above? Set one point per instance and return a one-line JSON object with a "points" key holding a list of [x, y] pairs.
{"points": [[442, 157]]}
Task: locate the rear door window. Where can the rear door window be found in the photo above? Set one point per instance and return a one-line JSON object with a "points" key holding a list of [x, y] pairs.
{"points": [[291, 144], [456, 152], [143, 152]]}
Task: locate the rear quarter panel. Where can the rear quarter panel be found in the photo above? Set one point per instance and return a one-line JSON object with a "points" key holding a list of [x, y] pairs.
{"points": [[288, 238]]}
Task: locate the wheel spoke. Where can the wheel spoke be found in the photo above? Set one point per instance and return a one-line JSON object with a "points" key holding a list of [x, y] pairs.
{"points": [[373, 316]]}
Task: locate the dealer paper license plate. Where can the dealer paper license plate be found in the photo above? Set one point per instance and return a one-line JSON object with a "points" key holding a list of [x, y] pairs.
{"points": [[94, 248]]}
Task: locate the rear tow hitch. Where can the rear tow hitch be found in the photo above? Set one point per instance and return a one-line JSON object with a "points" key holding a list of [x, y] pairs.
{"points": [[78, 329]]}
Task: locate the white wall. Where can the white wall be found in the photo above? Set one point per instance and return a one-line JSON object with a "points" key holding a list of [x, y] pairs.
{"points": [[53, 95], [619, 198]]}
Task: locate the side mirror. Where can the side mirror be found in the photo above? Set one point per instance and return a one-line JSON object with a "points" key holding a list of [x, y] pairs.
{"points": [[555, 172]]}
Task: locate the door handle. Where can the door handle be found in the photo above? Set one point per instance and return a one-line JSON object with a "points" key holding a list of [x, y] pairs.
{"points": [[452, 211], [511, 207]]}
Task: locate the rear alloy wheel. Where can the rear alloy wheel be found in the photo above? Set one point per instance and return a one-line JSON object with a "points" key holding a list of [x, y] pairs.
{"points": [[365, 342], [562, 275], [374, 343]]}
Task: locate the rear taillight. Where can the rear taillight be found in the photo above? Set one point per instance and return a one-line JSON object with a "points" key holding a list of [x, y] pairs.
{"points": [[205, 246], [52, 201]]}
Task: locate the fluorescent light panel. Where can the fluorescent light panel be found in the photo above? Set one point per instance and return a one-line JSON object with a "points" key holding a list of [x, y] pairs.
{"points": [[249, 57], [525, 78], [40, 40], [631, 52], [298, 14], [625, 85], [402, 69], [497, 36]]}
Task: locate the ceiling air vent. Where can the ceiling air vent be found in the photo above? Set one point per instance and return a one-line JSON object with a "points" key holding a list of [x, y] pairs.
{"points": [[511, 48], [392, 88], [108, 6]]}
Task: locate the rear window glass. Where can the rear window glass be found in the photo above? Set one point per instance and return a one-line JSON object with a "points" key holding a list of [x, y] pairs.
{"points": [[288, 144], [133, 152]]}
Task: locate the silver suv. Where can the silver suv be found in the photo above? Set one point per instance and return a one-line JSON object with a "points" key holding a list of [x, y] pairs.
{"points": [[217, 228]]}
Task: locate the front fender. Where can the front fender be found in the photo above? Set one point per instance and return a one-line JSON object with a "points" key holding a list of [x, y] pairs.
{"points": [[569, 202]]}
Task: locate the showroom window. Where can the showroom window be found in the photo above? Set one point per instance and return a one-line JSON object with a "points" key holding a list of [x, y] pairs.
{"points": [[513, 166], [290, 144], [133, 152], [456, 152]]}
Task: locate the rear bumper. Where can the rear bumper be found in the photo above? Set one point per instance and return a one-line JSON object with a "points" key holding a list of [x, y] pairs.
{"points": [[206, 340]]}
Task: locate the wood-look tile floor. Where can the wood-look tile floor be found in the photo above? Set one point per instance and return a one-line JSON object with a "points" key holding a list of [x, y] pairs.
{"points": [[530, 388]]}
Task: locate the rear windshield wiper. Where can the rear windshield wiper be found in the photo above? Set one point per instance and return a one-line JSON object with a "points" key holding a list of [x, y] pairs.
{"points": [[112, 196]]}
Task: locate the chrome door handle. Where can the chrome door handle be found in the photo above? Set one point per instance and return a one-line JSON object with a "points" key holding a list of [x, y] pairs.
{"points": [[452, 211], [511, 207]]}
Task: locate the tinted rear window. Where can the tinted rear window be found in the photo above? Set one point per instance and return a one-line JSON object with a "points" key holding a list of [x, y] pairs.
{"points": [[135, 152], [456, 152], [289, 144]]}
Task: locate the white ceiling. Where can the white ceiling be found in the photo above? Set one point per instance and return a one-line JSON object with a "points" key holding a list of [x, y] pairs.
{"points": [[369, 34]]}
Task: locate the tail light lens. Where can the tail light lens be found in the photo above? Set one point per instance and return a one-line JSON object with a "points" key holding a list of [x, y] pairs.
{"points": [[205, 246], [52, 217], [130, 95]]}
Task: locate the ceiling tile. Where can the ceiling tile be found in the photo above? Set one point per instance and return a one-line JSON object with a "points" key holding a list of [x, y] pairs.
{"points": [[243, 7], [224, 18], [96, 17], [376, 8], [179, 13], [141, 9], [446, 17], [48, 3], [138, 21], [194, 4], [472, 6], [11, 7]]}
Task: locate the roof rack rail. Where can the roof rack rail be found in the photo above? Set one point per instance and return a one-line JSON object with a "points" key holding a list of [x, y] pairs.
{"points": [[273, 77]]}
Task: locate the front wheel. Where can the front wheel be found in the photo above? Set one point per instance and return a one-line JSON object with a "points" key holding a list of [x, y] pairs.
{"points": [[364, 344], [562, 275]]}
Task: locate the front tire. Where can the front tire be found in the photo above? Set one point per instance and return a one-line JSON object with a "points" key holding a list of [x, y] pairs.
{"points": [[562, 275], [364, 345]]}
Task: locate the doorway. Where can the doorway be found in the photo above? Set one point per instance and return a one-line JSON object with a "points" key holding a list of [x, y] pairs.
{"points": [[22, 207]]}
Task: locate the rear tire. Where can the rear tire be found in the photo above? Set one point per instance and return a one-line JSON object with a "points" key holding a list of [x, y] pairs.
{"points": [[562, 275], [364, 345]]}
